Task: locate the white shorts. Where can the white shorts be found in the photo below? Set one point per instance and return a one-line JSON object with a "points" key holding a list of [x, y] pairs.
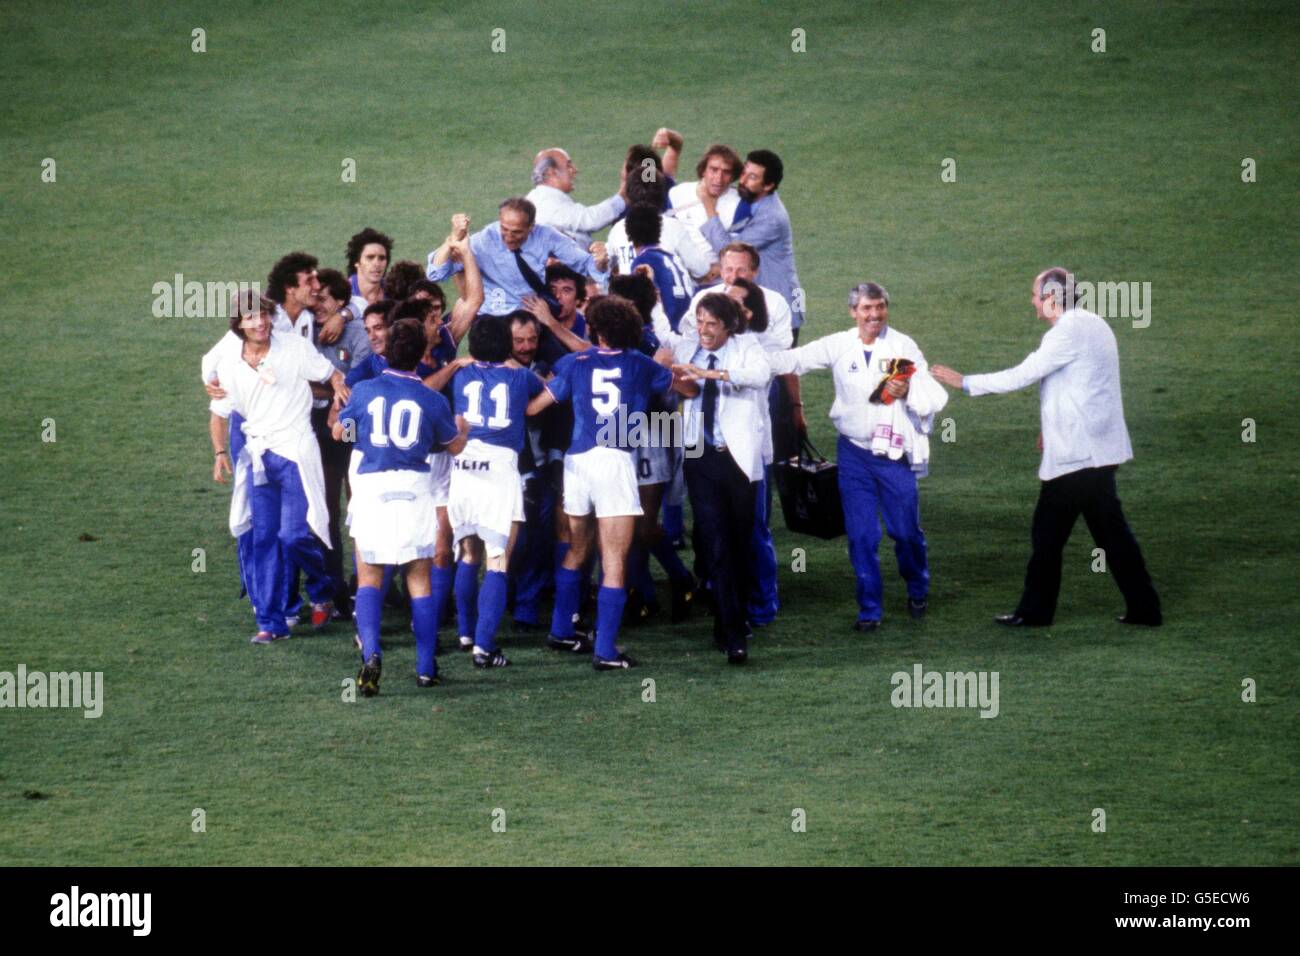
{"points": [[654, 466], [601, 480], [487, 495], [440, 477], [392, 517]]}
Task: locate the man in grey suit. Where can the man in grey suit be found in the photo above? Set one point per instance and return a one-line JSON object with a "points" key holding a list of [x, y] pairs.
{"points": [[761, 221], [1084, 439]]}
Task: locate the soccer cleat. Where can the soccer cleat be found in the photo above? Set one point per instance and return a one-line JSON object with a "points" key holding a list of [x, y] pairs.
{"points": [[620, 663], [424, 680], [291, 620], [368, 676], [321, 614], [683, 599], [916, 607], [737, 657], [1015, 620], [266, 637], [483, 659], [466, 643], [578, 644], [866, 627]]}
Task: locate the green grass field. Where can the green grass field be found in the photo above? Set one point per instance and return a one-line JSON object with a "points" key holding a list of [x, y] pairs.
{"points": [[1125, 165]]}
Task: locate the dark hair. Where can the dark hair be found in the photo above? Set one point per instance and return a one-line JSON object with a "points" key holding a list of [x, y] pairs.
{"points": [[284, 274], [635, 162], [652, 192], [384, 307], [490, 338], [401, 279], [616, 321], [417, 309], [722, 308], [560, 271], [756, 302], [406, 345], [520, 204], [643, 224], [638, 290], [523, 317], [773, 168], [431, 287], [243, 303], [336, 284], [362, 239], [744, 247], [1063, 286], [727, 153]]}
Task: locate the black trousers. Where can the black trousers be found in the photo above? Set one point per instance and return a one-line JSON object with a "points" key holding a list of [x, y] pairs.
{"points": [[1090, 492], [722, 504], [334, 456]]}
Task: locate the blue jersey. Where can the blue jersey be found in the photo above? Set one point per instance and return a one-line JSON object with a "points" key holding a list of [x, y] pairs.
{"points": [[399, 422], [674, 286], [606, 387], [494, 400], [372, 365]]}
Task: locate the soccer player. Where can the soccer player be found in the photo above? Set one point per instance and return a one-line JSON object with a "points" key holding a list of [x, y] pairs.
{"points": [[643, 224], [486, 503], [718, 169], [279, 485], [695, 257], [657, 460], [609, 387], [398, 424], [368, 254], [294, 287]]}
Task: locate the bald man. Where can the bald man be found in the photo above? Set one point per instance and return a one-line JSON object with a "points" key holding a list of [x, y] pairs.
{"points": [[553, 177]]}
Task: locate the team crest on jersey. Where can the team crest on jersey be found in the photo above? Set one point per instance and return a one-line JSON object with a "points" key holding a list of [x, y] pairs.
{"points": [[853, 367]]}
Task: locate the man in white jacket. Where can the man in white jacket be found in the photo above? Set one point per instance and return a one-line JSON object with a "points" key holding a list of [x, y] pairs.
{"points": [[1084, 439], [883, 445]]}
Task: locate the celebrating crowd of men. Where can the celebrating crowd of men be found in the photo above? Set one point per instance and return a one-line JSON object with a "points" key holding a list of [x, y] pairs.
{"points": [[505, 452]]}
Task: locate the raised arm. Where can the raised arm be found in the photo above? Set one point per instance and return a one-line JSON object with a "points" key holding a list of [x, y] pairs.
{"points": [[471, 298], [670, 141]]}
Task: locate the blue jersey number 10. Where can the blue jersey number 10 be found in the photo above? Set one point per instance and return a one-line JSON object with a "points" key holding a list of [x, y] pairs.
{"points": [[403, 425]]}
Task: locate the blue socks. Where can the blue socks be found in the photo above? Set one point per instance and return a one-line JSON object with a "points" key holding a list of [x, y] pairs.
{"points": [[638, 575], [568, 585], [491, 605], [424, 616], [609, 615], [367, 611], [466, 598], [440, 581]]}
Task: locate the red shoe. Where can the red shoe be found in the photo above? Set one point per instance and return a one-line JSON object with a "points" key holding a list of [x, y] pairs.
{"points": [[321, 614]]}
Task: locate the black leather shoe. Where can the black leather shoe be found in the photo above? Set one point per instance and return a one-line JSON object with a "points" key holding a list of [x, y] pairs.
{"points": [[1015, 620], [865, 627], [916, 608], [1143, 621], [738, 656]]}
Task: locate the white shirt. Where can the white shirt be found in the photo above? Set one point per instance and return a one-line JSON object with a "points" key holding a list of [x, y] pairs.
{"points": [[275, 402], [683, 242], [301, 325], [686, 205], [557, 209], [740, 401], [1082, 410], [906, 422]]}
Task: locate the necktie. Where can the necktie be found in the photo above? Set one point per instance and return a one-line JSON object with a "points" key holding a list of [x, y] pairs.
{"points": [[709, 405], [536, 283]]}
